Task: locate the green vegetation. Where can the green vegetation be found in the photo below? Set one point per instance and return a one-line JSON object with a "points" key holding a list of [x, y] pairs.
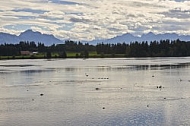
{"points": [[71, 49]]}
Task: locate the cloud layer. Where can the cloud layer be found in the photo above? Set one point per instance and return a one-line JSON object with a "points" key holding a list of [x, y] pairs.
{"points": [[95, 19]]}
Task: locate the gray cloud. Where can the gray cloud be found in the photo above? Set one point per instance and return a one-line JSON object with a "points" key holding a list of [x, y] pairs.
{"points": [[83, 20], [177, 13]]}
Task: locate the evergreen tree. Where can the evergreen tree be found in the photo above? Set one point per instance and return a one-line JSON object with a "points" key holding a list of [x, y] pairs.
{"points": [[48, 54]]}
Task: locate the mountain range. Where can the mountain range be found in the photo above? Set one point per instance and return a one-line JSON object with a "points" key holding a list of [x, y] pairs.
{"points": [[47, 39], [29, 35], [127, 38]]}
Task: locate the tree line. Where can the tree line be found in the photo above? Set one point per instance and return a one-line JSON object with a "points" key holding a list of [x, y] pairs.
{"points": [[162, 48], [60, 49]]}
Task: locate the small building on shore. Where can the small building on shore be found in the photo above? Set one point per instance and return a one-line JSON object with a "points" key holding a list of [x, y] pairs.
{"points": [[27, 53]]}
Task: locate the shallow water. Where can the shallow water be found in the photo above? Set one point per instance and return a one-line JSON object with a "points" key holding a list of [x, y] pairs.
{"points": [[95, 92]]}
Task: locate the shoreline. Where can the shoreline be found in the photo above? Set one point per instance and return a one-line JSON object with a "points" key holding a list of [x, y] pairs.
{"points": [[74, 57]]}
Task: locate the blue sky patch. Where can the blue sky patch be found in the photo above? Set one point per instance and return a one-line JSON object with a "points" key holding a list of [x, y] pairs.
{"points": [[18, 27], [63, 2], [30, 10], [26, 17]]}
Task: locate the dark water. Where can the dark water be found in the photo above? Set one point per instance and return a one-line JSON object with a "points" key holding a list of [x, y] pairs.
{"points": [[95, 92]]}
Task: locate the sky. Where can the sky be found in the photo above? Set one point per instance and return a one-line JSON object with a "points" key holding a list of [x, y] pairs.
{"points": [[86, 20]]}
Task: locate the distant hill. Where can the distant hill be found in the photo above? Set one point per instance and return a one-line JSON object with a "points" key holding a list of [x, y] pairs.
{"points": [[29, 35], [127, 38], [47, 39], [8, 38]]}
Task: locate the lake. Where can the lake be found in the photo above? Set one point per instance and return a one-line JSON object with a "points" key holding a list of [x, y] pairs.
{"points": [[95, 92]]}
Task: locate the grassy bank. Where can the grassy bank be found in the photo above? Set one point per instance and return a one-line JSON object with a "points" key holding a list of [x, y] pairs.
{"points": [[69, 55]]}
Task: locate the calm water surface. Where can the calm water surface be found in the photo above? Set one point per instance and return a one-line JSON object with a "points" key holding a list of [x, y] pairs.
{"points": [[95, 92]]}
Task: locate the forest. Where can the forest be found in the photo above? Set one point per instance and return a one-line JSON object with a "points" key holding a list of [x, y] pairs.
{"points": [[162, 48]]}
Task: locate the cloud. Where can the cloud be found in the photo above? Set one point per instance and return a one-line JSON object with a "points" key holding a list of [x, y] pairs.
{"points": [[95, 19]]}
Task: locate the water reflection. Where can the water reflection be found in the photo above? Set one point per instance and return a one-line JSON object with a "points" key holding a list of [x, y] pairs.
{"points": [[146, 117], [148, 91], [143, 67], [2, 71], [159, 66], [72, 69], [36, 71], [25, 65]]}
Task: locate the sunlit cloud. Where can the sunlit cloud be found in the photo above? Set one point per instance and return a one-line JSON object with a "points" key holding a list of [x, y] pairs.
{"points": [[95, 19]]}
